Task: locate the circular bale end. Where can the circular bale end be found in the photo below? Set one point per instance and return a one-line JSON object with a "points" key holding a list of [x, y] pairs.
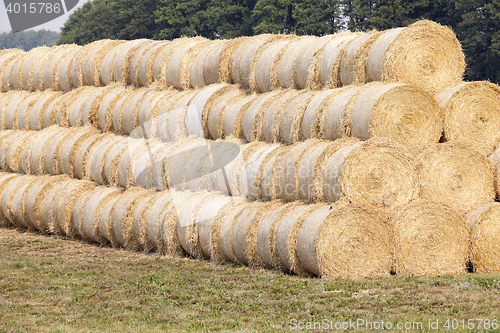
{"points": [[485, 233]]}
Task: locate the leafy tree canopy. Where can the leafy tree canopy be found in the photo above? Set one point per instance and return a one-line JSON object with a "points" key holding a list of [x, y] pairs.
{"points": [[26, 40]]}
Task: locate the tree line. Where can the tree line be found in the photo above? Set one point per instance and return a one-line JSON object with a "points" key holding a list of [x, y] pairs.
{"points": [[26, 40], [476, 22]]}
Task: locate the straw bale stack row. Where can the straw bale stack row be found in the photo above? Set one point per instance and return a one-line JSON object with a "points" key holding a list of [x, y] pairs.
{"points": [[340, 240], [400, 112], [424, 54]]}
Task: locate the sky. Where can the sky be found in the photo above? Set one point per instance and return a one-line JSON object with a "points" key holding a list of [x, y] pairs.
{"points": [[54, 25]]}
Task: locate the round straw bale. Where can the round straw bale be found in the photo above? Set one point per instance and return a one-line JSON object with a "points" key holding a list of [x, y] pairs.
{"points": [[93, 56], [403, 113], [152, 120], [129, 112], [225, 64], [89, 222], [135, 149], [35, 121], [70, 145], [77, 212], [334, 117], [271, 119], [112, 162], [156, 221], [75, 105], [45, 213], [103, 115], [471, 114], [5, 179], [233, 55], [159, 68], [196, 77], [429, 239], [149, 228], [97, 158], [16, 79], [51, 67], [106, 72], [229, 175], [82, 152], [142, 166], [104, 222], [121, 62], [150, 102], [199, 238], [312, 114], [62, 70], [484, 238], [216, 110], [7, 70], [303, 70], [293, 114], [454, 174], [29, 64], [6, 141], [172, 125], [10, 106], [248, 56], [178, 67], [234, 115], [6, 63], [213, 61], [351, 242], [254, 158], [266, 175], [424, 54], [135, 231], [326, 62], [241, 228], [252, 121], [49, 114], [52, 151], [158, 173], [196, 108], [38, 148], [8, 190], [16, 144], [285, 65], [38, 70], [12, 200], [353, 57], [264, 69], [267, 255], [221, 248], [378, 172], [138, 56], [145, 69]]}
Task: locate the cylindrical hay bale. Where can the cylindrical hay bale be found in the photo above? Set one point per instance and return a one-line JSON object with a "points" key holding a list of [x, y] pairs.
{"points": [[12, 200], [142, 167], [83, 153], [97, 158], [116, 227], [38, 70], [485, 232], [103, 221], [52, 110], [234, 115], [16, 79], [34, 198], [35, 121], [121, 62], [204, 221], [424, 54], [312, 114], [291, 119], [128, 117], [89, 223], [38, 149], [254, 158], [52, 151], [7, 59], [102, 118], [196, 77], [304, 75], [233, 56], [5, 179], [285, 235], [212, 62], [453, 174], [136, 59], [77, 212], [7, 70], [326, 61], [9, 109], [171, 126], [29, 64], [400, 112], [62, 74], [126, 167], [379, 172], [145, 69], [151, 234], [267, 175], [75, 104], [149, 103], [267, 255], [351, 58], [106, 72], [285, 71], [472, 114], [255, 113], [264, 69], [8, 137], [94, 54], [16, 144], [74, 154], [429, 239], [352, 242], [225, 65], [220, 239], [216, 110], [241, 228], [271, 119], [248, 56], [136, 230], [8, 191], [51, 67], [112, 162], [59, 205], [179, 64], [161, 59], [196, 108]]}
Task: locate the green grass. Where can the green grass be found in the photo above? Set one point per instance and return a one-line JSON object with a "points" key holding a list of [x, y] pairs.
{"points": [[50, 284]]}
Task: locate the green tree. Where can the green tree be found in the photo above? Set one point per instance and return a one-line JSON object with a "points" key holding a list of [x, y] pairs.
{"points": [[272, 16], [182, 18], [26, 40], [229, 18], [317, 17]]}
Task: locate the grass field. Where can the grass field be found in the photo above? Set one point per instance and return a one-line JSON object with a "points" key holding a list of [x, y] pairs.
{"points": [[50, 284]]}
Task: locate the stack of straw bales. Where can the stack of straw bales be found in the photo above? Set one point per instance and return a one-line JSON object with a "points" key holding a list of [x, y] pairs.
{"points": [[349, 155]]}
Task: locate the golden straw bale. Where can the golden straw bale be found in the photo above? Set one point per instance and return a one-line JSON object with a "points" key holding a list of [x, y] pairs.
{"points": [[485, 233]]}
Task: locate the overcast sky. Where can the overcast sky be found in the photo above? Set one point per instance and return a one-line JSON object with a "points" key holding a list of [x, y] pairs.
{"points": [[54, 25]]}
